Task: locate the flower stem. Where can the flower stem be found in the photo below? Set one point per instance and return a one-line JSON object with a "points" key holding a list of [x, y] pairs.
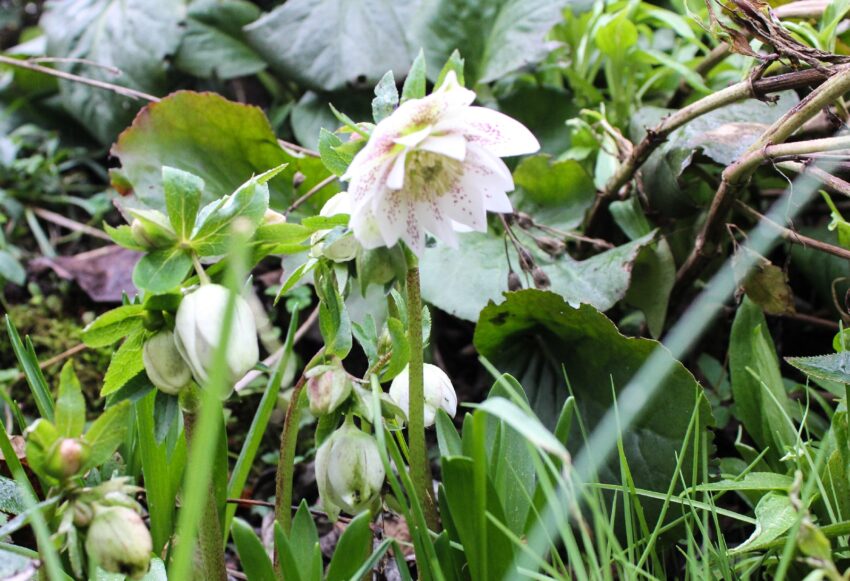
{"points": [[209, 534], [199, 270], [420, 469]]}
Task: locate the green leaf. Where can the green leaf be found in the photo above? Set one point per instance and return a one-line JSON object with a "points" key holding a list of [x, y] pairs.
{"points": [[334, 322], [70, 404], [222, 142], [290, 568], [183, 193], [554, 193], [136, 37], [334, 160], [282, 238], [752, 481], [414, 84], [400, 349], [123, 236], [543, 341], [304, 538], [461, 281], [447, 437], [214, 44], [757, 383], [386, 97], [353, 548], [453, 64], [255, 562], [329, 45], [312, 113], [496, 37], [11, 269], [29, 364], [107, 433], [617, 37], [162, 270], [774, 516], [113, 325], [11, 497], [41, 436], [653, 277], [832, 367], [126, 363]]}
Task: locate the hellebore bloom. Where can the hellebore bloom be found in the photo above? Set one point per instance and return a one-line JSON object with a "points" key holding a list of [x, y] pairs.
{"points": [[343, 248], [198, 329], [327, 387], [434, 165], [164, 365], [349, 471], [439, 392], [119, 541]]}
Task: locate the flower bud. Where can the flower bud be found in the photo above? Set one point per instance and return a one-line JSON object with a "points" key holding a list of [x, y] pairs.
{"points": [[327, 388], [83, 513], [340, 248], [514, 282], [349, 471], [439, 392], [165, 367], [66, 458], [541, 279], [272, 217], [198, 328], [551, 246], [119, 541]]}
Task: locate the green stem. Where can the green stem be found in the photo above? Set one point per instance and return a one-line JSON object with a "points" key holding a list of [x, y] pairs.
{"points": [[199, 269], [209, 535], [420, 469]]}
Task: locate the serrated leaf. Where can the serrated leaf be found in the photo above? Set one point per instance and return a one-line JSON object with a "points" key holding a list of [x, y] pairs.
{"points": [[107, 433], [162, 270], [70, 403], [183, 193], [386, 97], [113, 325], [414, 84], [832, 367], [126, 363]]}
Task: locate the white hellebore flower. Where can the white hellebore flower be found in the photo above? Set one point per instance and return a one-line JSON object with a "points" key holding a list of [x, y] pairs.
{"points": [[342, 249], [434, 165], [198, 328], [349, 471], [164, 365], [439, 392]]}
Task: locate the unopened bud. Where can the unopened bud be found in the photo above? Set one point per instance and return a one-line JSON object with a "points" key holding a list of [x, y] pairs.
{"points": [[165, 367], [514, 282], [327, 388], [298, 179], [349, 471], [119, 541], [540, 278], [83, 513], [272, 217], [524, 221], [66, 458], [551, 246], [140, 236], [526, 260], [438, 388]]}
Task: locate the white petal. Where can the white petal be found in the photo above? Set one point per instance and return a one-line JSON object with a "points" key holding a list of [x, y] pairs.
{"points": [[490, 177], [451, 145], [464, 204], [365, 228], [452, 94], [393, 213], [367, 184], [414, 139], [435, 221], [395, 177], [500, 134]]}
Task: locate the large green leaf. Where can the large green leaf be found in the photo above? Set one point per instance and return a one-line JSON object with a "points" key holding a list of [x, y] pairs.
{"points": [[222, 142], [495, 37], [539, 338], [136, 37], [461, 281], [332, 44], [553, 193], [214, 45]]}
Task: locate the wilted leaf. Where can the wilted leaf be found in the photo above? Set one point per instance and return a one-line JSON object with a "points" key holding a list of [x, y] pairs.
{"points": [[105, 274]]}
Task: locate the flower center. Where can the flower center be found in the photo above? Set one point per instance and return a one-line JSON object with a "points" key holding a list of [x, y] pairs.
{"points": [[429, 175]]}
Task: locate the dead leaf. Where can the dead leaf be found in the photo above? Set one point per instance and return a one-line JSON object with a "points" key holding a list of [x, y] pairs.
{"points": [[104, 274]]}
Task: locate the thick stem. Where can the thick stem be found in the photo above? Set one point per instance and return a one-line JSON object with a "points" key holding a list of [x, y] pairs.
{"points": [[209, 534], [420, 469]]}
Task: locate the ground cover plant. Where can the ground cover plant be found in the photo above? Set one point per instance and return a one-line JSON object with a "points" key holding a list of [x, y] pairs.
{"points": [[424, 289]]}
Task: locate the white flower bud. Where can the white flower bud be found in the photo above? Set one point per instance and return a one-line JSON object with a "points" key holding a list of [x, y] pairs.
{"points": [[198, 329], [165, 367], [119, 541], [349, 471], [341, 249], [327, 388], [273, 217], [439, 392]]}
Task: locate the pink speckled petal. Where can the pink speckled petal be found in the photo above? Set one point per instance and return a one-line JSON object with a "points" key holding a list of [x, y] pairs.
{"points": [[498, 133], [490, 177], [464, 204], [395, 177], [435, 221]]}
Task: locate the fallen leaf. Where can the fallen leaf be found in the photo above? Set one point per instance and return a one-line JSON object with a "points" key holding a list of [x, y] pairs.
{"points": [[104, 274]]}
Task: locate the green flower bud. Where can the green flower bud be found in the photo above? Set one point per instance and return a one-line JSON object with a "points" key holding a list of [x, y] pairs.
{"points": [[198, 328], [349, 471], [66, 458], [328, 386], [329, 243], [119, 541], [439, 392], [165, 367]]}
